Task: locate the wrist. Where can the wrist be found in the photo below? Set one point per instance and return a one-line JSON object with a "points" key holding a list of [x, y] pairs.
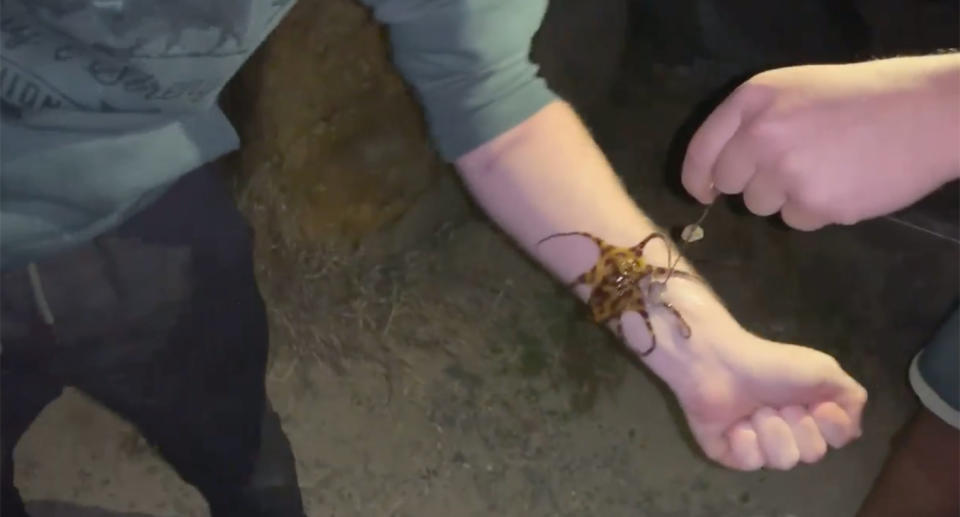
{"points": [[692, 298], [678, 357]]}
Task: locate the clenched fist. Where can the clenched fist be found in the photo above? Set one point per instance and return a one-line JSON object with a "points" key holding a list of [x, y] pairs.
{"points": [[832, 144], [750, 402]]}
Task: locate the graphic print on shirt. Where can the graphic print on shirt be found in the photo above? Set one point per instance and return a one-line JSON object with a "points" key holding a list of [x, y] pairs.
{"points": [[140, 56], [151, 29]]}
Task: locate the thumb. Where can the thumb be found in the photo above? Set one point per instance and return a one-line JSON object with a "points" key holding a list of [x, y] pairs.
{"points": [[853, 399], [713, 136]]}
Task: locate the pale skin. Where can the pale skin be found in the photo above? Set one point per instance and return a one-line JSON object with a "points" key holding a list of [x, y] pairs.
{"points": [[836, 145], [750, 402], [832, 144]]}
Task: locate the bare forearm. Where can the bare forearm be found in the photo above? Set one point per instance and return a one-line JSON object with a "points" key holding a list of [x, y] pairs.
{"points": [[928, 88], [944, 88], [548, 176]]}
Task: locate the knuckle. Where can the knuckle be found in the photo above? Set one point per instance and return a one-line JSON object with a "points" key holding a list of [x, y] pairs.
{"points": [[832, 362], [817, 454], [861, 396], [786, 462], [757, 88], [815, 201], [766, 131], [747, 91], [753, 203], [789, 162], [765, 76]]}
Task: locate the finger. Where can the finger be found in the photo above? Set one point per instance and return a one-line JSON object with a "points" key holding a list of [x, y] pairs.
{"points": [[847, 393], [764, 194], [800, 218], [735, 165], [714, 442], [745, 450], [717, 448], [834, 424], [714, 134], [705, 147], [776, 439], [810, 442], [853, 401]]}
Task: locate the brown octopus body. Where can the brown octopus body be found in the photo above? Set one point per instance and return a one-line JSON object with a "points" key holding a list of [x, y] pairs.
{"points": [[621, 280]]}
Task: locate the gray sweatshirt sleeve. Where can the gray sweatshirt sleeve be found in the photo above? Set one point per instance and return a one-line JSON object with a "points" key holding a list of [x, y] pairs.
{"points": [[468, 61]]}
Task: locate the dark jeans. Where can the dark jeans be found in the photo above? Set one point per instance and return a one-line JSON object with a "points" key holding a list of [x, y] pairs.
{"points": [[160, 321]]}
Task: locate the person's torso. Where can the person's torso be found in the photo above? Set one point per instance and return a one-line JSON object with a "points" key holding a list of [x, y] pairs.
{"points": [[107, 101]]}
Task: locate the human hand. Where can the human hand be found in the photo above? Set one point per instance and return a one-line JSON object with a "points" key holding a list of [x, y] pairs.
{"points": [[832, 143], [751, 403]]}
